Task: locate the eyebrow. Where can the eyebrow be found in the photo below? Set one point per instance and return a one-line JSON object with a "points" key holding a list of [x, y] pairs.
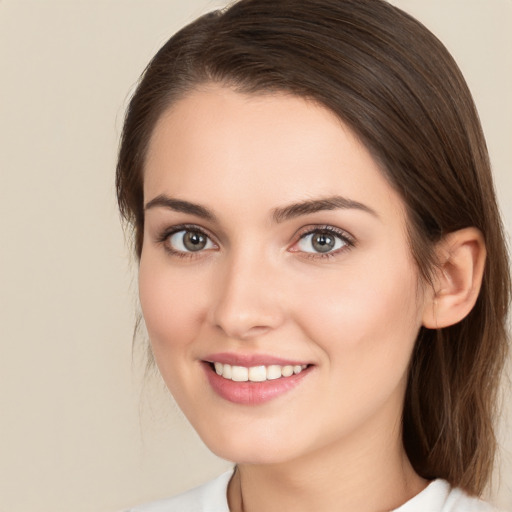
{"points": [[279, 215], [317, 205], [178, 205]]}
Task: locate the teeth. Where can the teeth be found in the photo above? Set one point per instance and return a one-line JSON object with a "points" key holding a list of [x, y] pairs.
{"points": [[256, 373], [226, 371], [239, 373], [273, 372], [287, 371]]}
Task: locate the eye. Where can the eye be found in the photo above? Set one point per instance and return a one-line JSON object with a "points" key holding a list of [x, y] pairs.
{"points": [[322, 241], [189, 240]]}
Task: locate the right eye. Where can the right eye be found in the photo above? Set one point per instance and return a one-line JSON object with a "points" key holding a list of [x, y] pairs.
{"points": [[188, 240]]}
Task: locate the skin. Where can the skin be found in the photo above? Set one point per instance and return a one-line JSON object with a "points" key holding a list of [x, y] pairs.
{"points": [[334, 441]]}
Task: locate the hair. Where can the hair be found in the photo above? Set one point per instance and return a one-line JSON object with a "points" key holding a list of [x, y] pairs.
{"points": [[400, 91]]}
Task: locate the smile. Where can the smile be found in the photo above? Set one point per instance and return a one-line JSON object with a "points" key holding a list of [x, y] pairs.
{"points": [[256, 373], [253, 379]]}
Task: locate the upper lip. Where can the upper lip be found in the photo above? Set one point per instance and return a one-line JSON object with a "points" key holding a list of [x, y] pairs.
{"points": [[249, 360]]}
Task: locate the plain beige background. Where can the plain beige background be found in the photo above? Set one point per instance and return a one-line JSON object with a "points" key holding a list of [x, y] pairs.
{"points": [[78, 431]]}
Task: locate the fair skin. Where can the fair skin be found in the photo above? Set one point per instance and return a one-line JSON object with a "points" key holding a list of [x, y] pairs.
{"points": [[298, 284]]}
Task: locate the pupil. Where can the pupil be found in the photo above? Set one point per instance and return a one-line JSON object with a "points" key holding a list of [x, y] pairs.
{"points": [[194, 241], [323, 242]]}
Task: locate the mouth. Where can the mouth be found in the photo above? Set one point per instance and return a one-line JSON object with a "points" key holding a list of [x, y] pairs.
{"points": [[260, 373], [253, 384]]}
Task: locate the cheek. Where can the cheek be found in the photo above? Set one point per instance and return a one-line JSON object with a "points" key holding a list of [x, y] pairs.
{"points": [[170, 306], [365, 324], [365, 316]]}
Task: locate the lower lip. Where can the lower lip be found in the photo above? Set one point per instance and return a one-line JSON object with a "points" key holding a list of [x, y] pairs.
{"points": [[252, 393]]}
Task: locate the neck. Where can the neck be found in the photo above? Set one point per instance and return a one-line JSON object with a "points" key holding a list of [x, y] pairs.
{"points": [[365, 473]]}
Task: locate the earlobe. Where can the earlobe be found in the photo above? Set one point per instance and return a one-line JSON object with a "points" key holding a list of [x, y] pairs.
{"points": [[461, 255]]}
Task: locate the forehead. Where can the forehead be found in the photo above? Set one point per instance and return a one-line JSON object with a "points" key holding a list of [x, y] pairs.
{"points": [[216, 145]]}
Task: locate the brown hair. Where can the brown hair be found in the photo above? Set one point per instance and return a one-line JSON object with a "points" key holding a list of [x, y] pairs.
{"points": [[393, 82]]}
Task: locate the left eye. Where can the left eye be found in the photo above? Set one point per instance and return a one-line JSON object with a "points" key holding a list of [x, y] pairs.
{"points": [[321, 242], [188, 240]]}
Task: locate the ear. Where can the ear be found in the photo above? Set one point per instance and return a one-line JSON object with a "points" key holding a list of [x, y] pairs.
{"points": [[461, 257]]}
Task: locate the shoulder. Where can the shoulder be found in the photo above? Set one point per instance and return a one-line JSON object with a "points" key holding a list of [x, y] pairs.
{"points": [[458, 500], [209, 497], [439, 496]]}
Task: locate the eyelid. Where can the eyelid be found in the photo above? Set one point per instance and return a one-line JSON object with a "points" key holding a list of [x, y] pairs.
{"points": [[176, 228], [345, 236], [163, 236]]}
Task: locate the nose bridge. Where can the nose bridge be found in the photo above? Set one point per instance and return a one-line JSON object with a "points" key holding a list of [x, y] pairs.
{"points": [[246, 302]]}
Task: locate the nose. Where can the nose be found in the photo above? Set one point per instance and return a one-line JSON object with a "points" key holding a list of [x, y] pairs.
{"points": [[247, 299]]}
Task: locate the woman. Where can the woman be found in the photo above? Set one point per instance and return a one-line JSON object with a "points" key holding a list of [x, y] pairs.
{"points": [[322, 269]]}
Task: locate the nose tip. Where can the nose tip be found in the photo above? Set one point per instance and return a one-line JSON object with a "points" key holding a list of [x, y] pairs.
{"points": [[241, 319], [246, 306]]}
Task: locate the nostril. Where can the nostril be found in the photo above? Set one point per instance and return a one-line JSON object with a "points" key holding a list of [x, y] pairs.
{"points": [[242, 332]]}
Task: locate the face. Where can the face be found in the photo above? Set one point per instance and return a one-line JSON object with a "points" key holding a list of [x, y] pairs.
{"points": [[275, 253]]}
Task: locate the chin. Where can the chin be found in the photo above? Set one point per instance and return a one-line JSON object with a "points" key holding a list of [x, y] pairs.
{"points": [[251, 447], [251, 454]]}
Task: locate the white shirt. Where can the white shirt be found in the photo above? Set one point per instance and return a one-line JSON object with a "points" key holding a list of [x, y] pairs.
{"points": [[438, 496]]}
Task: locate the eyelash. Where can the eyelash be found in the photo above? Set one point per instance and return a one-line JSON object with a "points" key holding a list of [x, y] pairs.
{"points": [[342, 235], [167, 233]]}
